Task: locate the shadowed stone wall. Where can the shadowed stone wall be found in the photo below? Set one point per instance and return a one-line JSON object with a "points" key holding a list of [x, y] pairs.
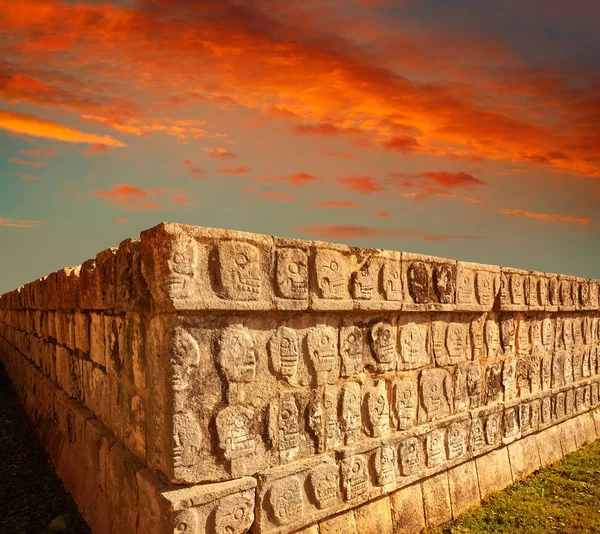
{"points": [[202, 380]]}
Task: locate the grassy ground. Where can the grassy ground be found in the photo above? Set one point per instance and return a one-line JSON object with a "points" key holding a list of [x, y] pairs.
{"points": [[564, 498], [32, 499]]}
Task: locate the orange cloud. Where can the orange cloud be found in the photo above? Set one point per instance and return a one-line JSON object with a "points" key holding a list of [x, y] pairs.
{"points": [[182, 199], [30, 125], [96, 148], [20, 223], [360, 184], [38, 153], [196, 172], [122, 220], [130, 198], [218, 152], [361, 232], [381, 214], [336, 204], [402, 143], [232, 169], [344, 155], [281, 112], [20, 161], [301, 178], [270, 194], [437, 184], [323, 129], [27, 176], [547, 217]]}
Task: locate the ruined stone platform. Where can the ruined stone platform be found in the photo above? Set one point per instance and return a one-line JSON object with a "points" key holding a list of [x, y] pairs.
{"points": [[202, 380]]}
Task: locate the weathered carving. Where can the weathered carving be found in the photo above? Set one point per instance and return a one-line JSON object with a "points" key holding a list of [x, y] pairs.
{"points": [[322, 348], [316, 422], [477, 337], [492, 338], [176, 266], [377, 410], [508, 334], [285, 353], [444, 276], [355, 476], [234, 514], [418, 282], [457, 440], [324, 482], [292, 273], [546, 409], [435, 386], [383, 342], [186, 520], [352, 348], [411, 456], [385, 466], [476, 436], [187, 438], [436, 452], [566, 297], [284, 426], [332, 274], [286, 501], [509, 384], [559, 405], [456, 342], [510, 424], [554, 291], [485, 287], [237, 354], [364, 281], [465, 291], [542, 292], [493, 383], [413, 346], [351, 412], [593, 294], [492, 429], [392, 280], [332, 430], [525, 417], [584, 294], [516, 289], [185, 356], [467, 386], [235, 430], [404, 403], [239, 269], [438, 335], [558, 368]]}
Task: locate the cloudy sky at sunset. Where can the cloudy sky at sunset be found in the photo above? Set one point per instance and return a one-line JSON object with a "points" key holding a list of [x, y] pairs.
{"points": [[467, 129]]}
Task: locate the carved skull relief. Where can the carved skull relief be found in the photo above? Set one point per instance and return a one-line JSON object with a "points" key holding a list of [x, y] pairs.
{"points": [[352, 347], [292, 273], [404, 403], [234, 514], [436, 394], [187, 438], [392, 281], [285, 352], [185, 355], [383, 338], [332, 274], [237, 354], [351, 413], [385, 466], [444, 276], [418, 282], [485, 288], [322, 347], [355, 476], [176, 267], [436, 452], [364, 281], [457, 440], [185, 521], [492, 338], [378, 410], [466, 287], [286, 500], [516, 289], [324, 482], [239, 268], [456, 342], [411, 456], [413, 346], [235, 430]]}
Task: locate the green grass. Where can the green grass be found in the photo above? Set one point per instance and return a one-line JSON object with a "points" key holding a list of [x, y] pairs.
{"points": [[563, 498]]}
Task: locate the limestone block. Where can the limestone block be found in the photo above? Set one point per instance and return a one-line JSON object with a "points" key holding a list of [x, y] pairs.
{"points": [[524, 457], [464, 487], [568, 439], [188, 267], [478, 286], [97, 339], [344, 523], [115, 355], [407, 509], [52, 295], [67, 281], [131, 291], [568, 297], [493, 470], [429, 283], [436, 500], [514, 289], [374, 517], [82, 332], [538, 291], [291, 273]]}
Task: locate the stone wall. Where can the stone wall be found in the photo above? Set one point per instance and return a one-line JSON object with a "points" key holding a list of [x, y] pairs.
{"points": [[205, 380]]}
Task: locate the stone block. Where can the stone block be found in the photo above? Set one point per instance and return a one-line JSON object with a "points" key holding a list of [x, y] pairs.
{"points": [[407, 509], [493, 470], [436, 500], [464, 487], [343, 523], [374, 517], [524, 457], [568, 439], [97, 339], [549, 446], [82, 332]]}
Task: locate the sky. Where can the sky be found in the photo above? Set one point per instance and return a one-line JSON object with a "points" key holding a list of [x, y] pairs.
{"points": [[466, 129]]}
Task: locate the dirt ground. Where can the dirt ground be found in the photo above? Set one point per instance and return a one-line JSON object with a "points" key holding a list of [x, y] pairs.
{"points": [[32, 499]]}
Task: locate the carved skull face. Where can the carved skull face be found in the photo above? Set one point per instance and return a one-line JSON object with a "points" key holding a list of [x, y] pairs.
{"points": [[436, 454], [292, 273], [567, 333], [235, 514], [352, 346], [516, 289], [465, 287], [457, 436], [474, 380], [546, 409], [324, 482], [378, 409], [412, 340], [404, 403], [239, 267], [484, 285], [185, 356], [443, 283], [508, 335], [456, 340], [384, 342], [332, 274], [286, 351], [510, 421], [523, 338], [587, 330], [411, 456], [331, 416], [186, 439], [492, 337], [177, 266], [476, 435], [392, 281], [351, 408], [289, 428], [237, 354], [435, 387], [547, 332], [492, 429], [584, 294], [385, 465], [365, 280], [355, 476], [418, 282], [286, 500], [553, 291], [185, 521], [536, 333], [477, 336], [565, 293], [235, 432], [322, 345]]}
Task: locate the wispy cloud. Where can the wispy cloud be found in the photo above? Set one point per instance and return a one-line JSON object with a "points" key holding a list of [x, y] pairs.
{"points": [[271, 194], [21, 223], [547, 217], [218, 152], [225, 168], [336, 204], [26, 162], [360, 184], [196, 172], [359, 232]]}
